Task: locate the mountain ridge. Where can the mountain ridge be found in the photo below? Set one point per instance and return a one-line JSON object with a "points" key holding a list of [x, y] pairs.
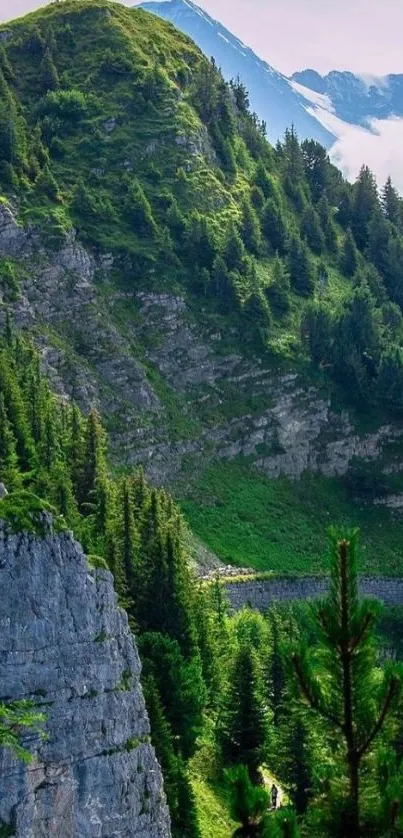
{"points": [[283, 108]]}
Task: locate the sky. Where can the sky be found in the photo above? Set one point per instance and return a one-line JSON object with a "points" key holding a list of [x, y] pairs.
{"points": [[357, 35]]}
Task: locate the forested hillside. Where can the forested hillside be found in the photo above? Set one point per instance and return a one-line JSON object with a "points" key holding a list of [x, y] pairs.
{"points": [[228, 697], [246, 293]]}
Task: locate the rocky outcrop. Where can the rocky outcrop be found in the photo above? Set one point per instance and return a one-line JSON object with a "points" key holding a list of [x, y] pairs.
{"points": [[66, 645], [260, 594], [175, 390]]}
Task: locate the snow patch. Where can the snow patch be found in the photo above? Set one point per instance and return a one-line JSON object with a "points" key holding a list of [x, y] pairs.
{"points": [[320, 100]]}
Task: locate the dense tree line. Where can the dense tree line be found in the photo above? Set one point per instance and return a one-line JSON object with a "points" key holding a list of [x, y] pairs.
{"points": [[303, 699]]}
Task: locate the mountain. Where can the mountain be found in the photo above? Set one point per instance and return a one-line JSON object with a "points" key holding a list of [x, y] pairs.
{"points": [[197, 285], [271, 94], [230, 316], [356, 99]]}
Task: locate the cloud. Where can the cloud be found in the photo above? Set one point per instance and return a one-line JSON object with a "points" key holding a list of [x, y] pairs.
{"points": [[381, 149], [380, 146]]}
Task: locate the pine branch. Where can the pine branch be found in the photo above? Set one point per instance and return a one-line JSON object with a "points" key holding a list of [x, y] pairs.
{"points": [[308, 694], [390, 695], [368, 621]]}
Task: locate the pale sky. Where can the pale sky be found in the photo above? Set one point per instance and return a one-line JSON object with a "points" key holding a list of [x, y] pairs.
{"points": [[357, 35]]}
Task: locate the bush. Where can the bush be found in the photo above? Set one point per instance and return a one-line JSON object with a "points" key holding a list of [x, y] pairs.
{"points": [[248, 803], [67, 105]]}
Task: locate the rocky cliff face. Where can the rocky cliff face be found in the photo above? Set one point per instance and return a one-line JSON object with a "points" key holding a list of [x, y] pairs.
{"points": [[174, 389], [65, 644]]}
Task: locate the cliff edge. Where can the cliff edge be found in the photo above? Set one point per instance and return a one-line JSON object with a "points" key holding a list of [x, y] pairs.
{"points": [[65, 644]]}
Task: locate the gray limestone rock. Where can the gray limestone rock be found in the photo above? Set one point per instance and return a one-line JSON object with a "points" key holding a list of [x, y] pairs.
{"points": [[66, 645]]}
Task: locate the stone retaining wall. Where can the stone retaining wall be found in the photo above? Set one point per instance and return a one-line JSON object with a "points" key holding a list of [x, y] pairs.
{"points": [[260, 594]]}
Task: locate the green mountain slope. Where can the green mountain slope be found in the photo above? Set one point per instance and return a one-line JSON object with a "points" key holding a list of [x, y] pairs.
{"points": [[218, 299]]}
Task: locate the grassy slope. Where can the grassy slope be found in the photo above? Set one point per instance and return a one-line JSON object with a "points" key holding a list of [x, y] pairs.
{"points": [[281, 525]]}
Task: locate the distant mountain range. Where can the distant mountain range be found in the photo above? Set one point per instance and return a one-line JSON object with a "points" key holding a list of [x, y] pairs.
{"points": [[279, 100], [356, 99]]}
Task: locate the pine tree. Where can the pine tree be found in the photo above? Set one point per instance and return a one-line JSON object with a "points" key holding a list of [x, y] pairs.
{"points": [[234, 250], [349, 256], [250, 228], [317, 330], [5, 65], [392, 204], [50, 76], [126, 543], [278, 292], [186, 822], [365, 203], [263, 180], [316, 162], [379, 235], [339, 680], [180, 686], [200, 244], [300, 268], [300, 773], [162, 739], [274, 226], [345, 208], [138, 209], [223, 287], [248, 803], [243, 726], [93, 470], [311, 230], [327, 224], [9, 472], [12, 133]]}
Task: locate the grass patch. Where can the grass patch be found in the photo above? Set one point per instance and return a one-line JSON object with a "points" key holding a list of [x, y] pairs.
{"points": [[24, 512], [281, 525]]}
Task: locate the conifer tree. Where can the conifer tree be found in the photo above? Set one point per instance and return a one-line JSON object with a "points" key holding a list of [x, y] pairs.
{"points": [[243, 726], [92, 478], [50, 76], [139, 210], [9, 472], [311, 230], [349, 256], [338, 680], [250, 229], [162, 739], [274, 227], [248, 803], [392, 204], [365, 203], [125, 564], [5, 65], [300, 765], [327, 224], [300, 268], [278, 292], [263, 179], [234, 250]]}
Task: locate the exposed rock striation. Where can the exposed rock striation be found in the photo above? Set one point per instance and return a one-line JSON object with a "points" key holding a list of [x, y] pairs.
{"points": [[175, 390], [66, 645]]}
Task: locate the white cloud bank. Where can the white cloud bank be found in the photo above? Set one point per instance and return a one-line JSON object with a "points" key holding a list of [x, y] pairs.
{"points": [[381, 149], [380, 146]]}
